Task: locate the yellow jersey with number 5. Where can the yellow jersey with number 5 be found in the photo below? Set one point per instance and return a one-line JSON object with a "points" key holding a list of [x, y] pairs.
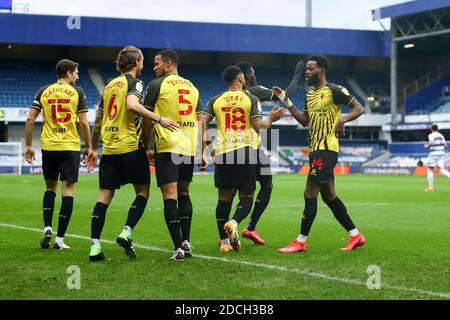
{"points": [[176, 98]]}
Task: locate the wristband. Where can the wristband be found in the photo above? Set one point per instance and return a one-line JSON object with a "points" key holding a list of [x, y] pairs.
{"points": [[287, 102]]}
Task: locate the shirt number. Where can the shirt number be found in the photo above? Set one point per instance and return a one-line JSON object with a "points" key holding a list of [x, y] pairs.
{"points": [[182, 100], [232, 118], [57, 106], [112, 108]]}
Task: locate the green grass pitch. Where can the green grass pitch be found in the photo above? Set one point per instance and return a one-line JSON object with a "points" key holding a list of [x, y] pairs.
{"points": [[407, 233]]}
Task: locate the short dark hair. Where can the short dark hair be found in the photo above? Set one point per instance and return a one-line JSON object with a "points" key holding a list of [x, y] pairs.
{"points": [[322, 61], [230, 73], [244, 66], [128, 58], [434, 127], [169, 54], [63, 66]]}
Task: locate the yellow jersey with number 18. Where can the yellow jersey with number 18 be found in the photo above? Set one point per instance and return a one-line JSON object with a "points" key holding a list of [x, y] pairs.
{"points": [[234, 111]]}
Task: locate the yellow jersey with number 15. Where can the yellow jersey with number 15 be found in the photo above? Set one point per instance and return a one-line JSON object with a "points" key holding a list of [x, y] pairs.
{"points": [[60, 104]]}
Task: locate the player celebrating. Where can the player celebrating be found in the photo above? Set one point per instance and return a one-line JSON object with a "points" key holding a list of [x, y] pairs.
{"points": [[263, 172], [61, 103], [172, 96], [437, 146], [323, 115], [123, 160], [236, 112]]}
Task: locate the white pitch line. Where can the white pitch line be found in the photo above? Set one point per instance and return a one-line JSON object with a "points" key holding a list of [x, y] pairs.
{"points": [[318, 275]]}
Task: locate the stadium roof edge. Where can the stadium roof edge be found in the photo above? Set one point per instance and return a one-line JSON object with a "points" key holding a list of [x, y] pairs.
{"points": [[113, 32], [408, 8]]}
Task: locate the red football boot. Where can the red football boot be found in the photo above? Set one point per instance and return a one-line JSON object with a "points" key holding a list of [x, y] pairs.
{"points": [[253, 235], [294, 246], [354, 242]]}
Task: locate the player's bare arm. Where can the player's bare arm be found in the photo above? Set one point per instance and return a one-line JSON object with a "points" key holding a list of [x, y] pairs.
{"points": [[274, 115], [85, 131], [148, 139], [134, 106], [96, 131], [29, 128], [301, 117], [201, 137], [356, 111], [206, 119]]}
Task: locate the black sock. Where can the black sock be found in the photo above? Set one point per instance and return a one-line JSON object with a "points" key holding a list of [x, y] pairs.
{"points": [[340, 213], [261, 202], [185, 209], [48, 205], [64, 215], [98, 220], [243, 209], [309, 214], [223, 210], [136, 211], [173, 221]]}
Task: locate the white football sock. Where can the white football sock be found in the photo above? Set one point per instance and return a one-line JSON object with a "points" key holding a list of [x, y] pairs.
{"points": [[59, 240], [234, 222], [430, 177], [95, 242], [353, 232], [48, 228], [302, 238]]}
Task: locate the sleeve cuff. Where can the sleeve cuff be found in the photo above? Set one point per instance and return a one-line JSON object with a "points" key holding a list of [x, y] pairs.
{"points": [[351, 100]]}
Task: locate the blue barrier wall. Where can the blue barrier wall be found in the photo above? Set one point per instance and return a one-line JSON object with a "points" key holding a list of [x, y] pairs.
{"points": [[429, 93], [53, 30], [408, 148]]}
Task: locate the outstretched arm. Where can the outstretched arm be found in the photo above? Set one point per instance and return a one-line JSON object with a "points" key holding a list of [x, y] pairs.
{"points": [[134, 106], [301, 117], [298, 73], [274, 115]]}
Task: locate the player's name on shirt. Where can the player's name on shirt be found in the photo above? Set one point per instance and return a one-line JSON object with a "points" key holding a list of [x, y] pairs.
{"points": [[236, 98], [47, 93], [175, 82], [119, 84]]}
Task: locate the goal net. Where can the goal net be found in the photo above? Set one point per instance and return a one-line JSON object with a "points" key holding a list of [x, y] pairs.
{"points": [[11, 158]]}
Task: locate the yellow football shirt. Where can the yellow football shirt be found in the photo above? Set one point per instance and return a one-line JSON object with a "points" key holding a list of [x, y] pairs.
{"points": [[324, 109], [178, 99], [60, 104], [234, 111], [121, 129]]}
